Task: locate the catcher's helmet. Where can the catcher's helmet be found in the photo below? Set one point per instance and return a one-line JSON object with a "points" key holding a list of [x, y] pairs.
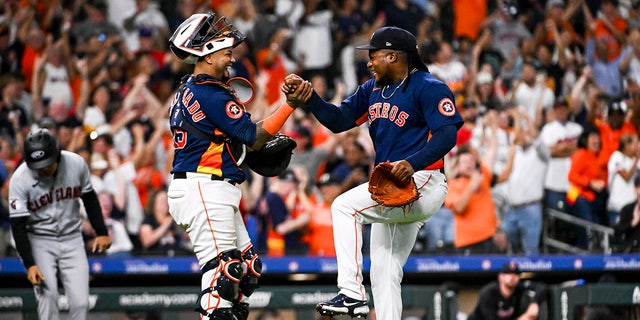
{"points": [[202, 34], [41, 149]]}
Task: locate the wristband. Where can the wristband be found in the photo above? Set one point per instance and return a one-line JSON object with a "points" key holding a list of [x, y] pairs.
{"points": [[274, 122]]}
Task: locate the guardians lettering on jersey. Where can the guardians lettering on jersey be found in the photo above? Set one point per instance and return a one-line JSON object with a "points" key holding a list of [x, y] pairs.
{"points": [[386, 111], [59, 194]]}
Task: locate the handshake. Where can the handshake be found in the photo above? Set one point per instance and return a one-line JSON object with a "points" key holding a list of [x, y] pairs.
{"points": [[297, 90]]}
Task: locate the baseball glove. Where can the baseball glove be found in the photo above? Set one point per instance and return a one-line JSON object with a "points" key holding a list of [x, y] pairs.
{"points": [[273, 157], [388, 191]]}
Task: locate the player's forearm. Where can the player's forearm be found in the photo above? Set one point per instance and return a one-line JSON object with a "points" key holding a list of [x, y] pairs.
{"points": [[329, 115], [23, 246], [531, 313], [94, 213], [440, 143], [269, 127]]}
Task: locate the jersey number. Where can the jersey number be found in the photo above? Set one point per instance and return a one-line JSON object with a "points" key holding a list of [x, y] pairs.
{"points": [[179, 139]]}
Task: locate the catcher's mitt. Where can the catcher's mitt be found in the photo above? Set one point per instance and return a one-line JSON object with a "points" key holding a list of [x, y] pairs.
{"points": [[388, 191], [273, 157]]}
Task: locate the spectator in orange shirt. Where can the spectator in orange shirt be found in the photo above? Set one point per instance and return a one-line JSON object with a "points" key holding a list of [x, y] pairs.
{"points": [[559, 14], [320, 232], [271, 61], [612, 129], [470, 200], [588, 179], [34, 47], [609, 26], [468, 17]]}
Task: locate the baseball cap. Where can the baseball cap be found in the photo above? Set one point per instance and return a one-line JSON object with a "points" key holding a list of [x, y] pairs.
{"points": [[288, 175], [98, 162], [301, 132], [510, 267], [329, 179], [619, 106], [145, 32], [555, 3], [484, 77], [47, 122], [561, 102], [393, 38], [100, 5]]}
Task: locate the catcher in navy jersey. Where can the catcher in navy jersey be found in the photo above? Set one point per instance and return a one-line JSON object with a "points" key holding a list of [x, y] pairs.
{"points": [[212, 133], [413, 123], [44, 206]]}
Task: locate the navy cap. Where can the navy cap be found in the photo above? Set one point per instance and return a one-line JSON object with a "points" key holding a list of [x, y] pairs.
{"points": [[145, 32], [393, 38], [288, 175], [617, 106], [329, 179], [510, 267]]}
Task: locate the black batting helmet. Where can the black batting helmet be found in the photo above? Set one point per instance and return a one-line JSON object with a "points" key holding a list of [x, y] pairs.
{"points": [[41, 149]]}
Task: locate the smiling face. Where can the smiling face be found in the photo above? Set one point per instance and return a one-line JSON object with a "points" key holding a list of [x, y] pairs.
{"points": [[379, 66], [218, 63]]}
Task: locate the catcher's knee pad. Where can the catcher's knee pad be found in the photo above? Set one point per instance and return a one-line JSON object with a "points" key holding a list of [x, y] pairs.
{"points": [[228, 269], [253, 265]]}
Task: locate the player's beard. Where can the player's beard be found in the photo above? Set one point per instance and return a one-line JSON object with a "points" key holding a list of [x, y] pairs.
{"points": [[382, 80], [226, 75]]}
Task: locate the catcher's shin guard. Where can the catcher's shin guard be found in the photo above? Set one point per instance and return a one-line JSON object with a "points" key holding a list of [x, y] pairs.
{"points": [[227, 272], [253, 267]]}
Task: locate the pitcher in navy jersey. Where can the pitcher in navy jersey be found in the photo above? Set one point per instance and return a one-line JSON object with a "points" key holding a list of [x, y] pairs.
{"points": [[413, 122]]}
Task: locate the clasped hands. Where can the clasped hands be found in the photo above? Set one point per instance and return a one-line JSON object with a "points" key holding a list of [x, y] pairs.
{"points": [[297, 90]]}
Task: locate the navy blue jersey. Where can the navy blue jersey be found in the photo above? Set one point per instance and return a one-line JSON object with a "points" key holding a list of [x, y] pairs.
{"points": [[400, 124], [208, 105]]}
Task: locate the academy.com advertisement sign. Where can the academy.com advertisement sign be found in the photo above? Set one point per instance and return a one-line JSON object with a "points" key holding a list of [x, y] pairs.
{"points": [[185, 298], [109, 299]]}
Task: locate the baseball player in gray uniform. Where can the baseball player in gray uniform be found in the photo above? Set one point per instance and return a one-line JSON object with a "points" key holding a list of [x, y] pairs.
{"points": [[44, 207]]}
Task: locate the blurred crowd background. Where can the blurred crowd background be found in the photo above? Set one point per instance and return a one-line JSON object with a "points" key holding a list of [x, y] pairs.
{"points": [[549, 91]]}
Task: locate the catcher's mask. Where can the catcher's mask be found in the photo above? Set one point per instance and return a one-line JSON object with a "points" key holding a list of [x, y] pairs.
{"points": [[203, 34]]}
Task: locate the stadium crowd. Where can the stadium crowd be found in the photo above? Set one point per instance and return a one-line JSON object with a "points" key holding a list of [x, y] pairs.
{"points": [[549, 90]]}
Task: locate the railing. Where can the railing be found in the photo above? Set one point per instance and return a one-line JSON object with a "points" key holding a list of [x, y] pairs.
{"points": [[604, 234]]}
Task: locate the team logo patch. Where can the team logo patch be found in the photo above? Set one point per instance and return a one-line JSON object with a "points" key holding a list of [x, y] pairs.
{"points": [[37, 155], [446, 107], [234, 111], [15, 204]]}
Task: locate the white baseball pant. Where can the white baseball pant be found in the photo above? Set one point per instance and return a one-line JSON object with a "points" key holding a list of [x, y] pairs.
{"points": [[393, 234], [210, 211]]}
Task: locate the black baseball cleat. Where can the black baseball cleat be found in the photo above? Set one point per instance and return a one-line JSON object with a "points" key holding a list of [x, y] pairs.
{"points": [[343, 305]]}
